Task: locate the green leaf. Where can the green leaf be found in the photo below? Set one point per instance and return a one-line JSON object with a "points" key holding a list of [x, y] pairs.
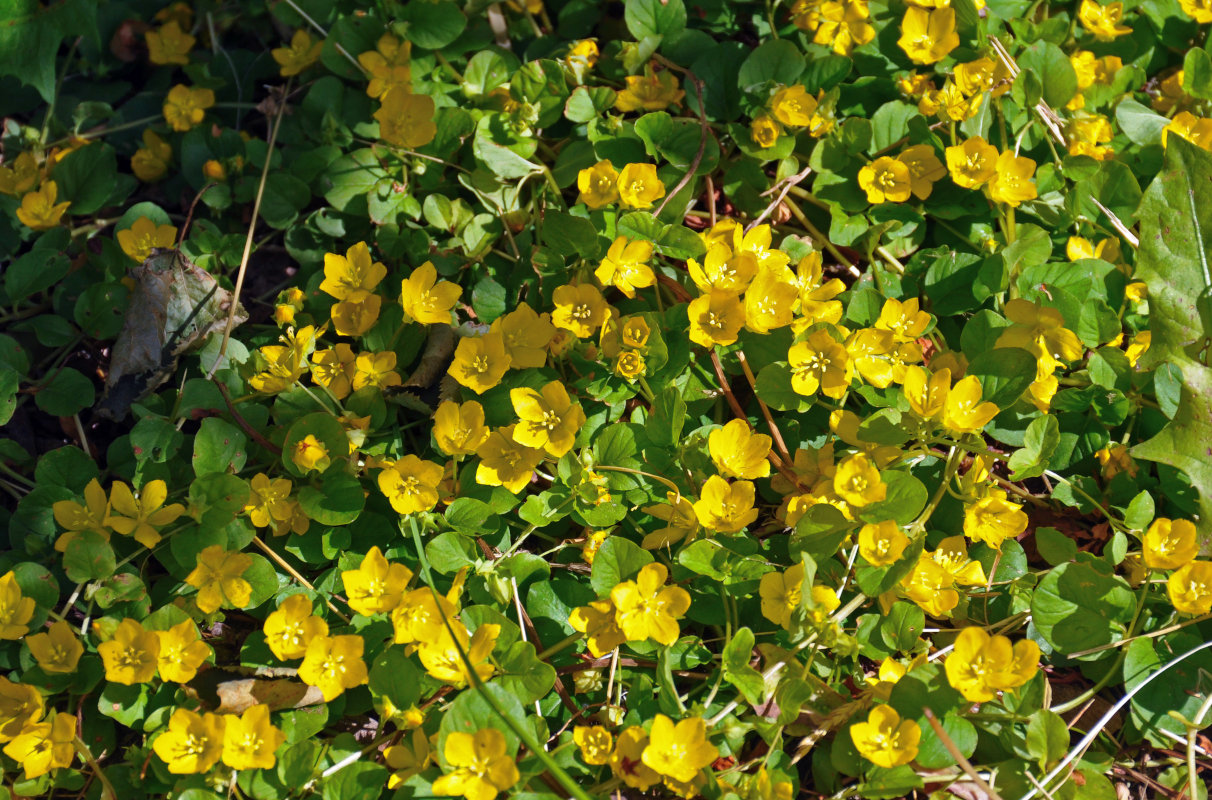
{"points": [[571, 236], [41, 268], [218, 447], [88, 557], [30, 34], [905, 499], [618, 559], [1055, 547], [1047, 738], [668, 415], [217, 498], [361, 780], [902, 626], [68, 392], [352, 176], [1040, 441], [394, 675], [87, 177], [1004, 373], [470, 712], [774, 387], [735, 661], [523, 675], [432, 25], [470, 516], [654, 18], [1197, 73], [9, 380], [1151, 706], [338, 501], [1054, 70], [1140, 123], [777, 60], [933, 754], [1077, 605]]}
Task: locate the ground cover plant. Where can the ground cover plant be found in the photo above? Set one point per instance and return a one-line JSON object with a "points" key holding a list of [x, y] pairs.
{"points": [[575, 399]]}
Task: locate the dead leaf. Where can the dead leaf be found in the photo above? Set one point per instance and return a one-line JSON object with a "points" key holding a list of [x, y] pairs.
{"points": [[228, 691]]}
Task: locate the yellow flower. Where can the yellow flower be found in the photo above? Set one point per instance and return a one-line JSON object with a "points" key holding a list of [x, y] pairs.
{"points": [[219, 579], [480, 361], [141, 517], [598, 185], [793, 106], [39, 211], [882, 544], [639, 186], [722, 270], [16, 609], [334, 370], [407, 760], [716, 318], [647, 609], [377, 585], [388, 65], [181, 652], [406, 119], [458, 429], [333, 664], [441, 655], [981, 665], [526, 336], [193, 742], [1169, 544], [627, 762], [972, 163], [284, 363], [579, 308], [1103, 21], [932, 581], [770, 300], [924, 169], [764, 131], [678, 512], [56, 650], [426, 299], [652, 91], [885, 180], [738, 452], [884, 739], [1190, 588], [290, 628], [301, 54], [725, 507], [548, 419], [411, 484], [820, 363], [858, 481], [993, 519], [1198, 10], [356, 314], [169, 45], [963, 411], [482, 767], [249, 740], [269, 502], [679, 751], [585, 51], [351, 274], [1141, 341], [505, 462], [419, 617], [150, 162], [185, 107], [43, 746], [782, 594], [928, 35], [868, 350], [23, 175], [1013, 182], [626, 266], [311, 454], [214, 170], [842, 24], [594, 742], [93, 515], [130, 657], [375, 369], [20, 707], [599, 624]]}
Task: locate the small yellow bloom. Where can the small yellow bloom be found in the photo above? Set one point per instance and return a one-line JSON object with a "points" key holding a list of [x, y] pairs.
{"points": [[181, 652], [219, 579], [598, 185], [858, 481], [443, 656], [526, 336], [884, 739], [1170, 544], [993, 519], [43, 746], [169, 45], [725, 507], [150, 162], [480, 361], [333, 664], [597, 621], [1103, 20], [594, 742], [842, 25], [764, 130], [426, 299], [547, 418], [506, 462], [92, 515], [793, 106], [639, 186], [652, 91], [928, 35], [351, 274], [885, 180], [981, 665], [406, 119], [882, 544], [130, 657], [716, 318], [963, 411], [143, 236], [39, 211], [389, 65], [579, 308], [738, 452], [1198, 10], [142, 516], [185, 107], [678, 512], [782, 594], [420, 615], [16, 609], [22, 175], [290, 628], [411, 484], [57, 649], [459, 429], [482, 768], [249, 740], [648, 609], [924, 169], [1013, 181], [377, 586], [626, 266], [375, 369], [972, 163], [407, 760], [627, 761], [311, 454], [679, 751], [193, 742], [301, 54], [1190, 588]]}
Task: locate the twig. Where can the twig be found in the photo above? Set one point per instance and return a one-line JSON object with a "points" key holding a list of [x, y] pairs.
{"points": [[783, 187], [243, 423], [704, 129], [294, 573], [964, 763]]}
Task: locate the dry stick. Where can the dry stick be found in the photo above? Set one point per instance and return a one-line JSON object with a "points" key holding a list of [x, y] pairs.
{"points": [[782, 187], [1046, 114], [319, 29], [294, 573], [963, 762], [1118, 224], [823, 240], [774, 429], [252, 226], [704, 128], [243, 423], [739, 413]]}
